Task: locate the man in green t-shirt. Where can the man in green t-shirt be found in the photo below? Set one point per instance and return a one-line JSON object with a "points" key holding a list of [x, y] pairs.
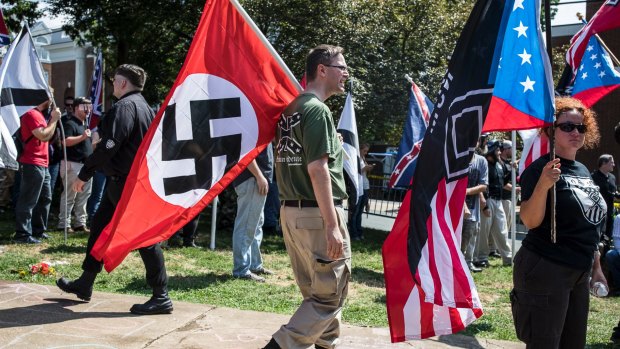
{"points": [[309, 159]]}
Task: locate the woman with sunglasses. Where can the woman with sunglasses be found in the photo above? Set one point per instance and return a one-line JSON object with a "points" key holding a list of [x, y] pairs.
{"points": [[550, 298]]}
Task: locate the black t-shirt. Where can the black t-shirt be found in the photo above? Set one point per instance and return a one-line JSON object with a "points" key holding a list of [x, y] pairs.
{"points": [[496, 180], [580, 209], [507, 194], [79, 152], [607, 186]]}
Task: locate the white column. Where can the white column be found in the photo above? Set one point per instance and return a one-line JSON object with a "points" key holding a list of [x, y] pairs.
{"points": [[81, 80]]}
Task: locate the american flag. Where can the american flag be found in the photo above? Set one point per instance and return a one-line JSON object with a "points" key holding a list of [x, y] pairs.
{"points": [[523, 96], [606, 18], [96, 92], [535, 145], [4, 32], [596, 76], [420, 109]]}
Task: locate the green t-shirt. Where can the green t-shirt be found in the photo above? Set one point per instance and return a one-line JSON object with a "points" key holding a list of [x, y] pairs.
{"points": [[306, 133]]}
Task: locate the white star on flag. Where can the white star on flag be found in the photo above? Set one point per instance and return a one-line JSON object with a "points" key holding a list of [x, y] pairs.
{"points": [[584, 75], [590, 48], [397, 171], [528, 84], [409, 157], [518, 4], [525, 57], [602, 74], [581, 67], [594, 56], [521, 29], [597, 65]]}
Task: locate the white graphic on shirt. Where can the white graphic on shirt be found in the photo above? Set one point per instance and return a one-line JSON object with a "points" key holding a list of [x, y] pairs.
{"points": [[588, 196], [109, 144]]}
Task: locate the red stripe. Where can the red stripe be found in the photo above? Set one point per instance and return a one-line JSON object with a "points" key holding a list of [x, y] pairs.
{"points": [[508, 118], [404, 163], [426, 316], [398, 279], [590, 96], [421, 102], [440, 203]]}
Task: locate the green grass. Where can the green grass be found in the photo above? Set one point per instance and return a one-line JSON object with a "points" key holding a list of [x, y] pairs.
{"points": [[204, 276]]}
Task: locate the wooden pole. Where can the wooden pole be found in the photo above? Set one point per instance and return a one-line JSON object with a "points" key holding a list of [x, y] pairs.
{"points": [[552, 135]]}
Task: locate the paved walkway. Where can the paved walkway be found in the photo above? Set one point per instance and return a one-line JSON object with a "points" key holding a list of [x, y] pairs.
{"points": [[38, 316]]}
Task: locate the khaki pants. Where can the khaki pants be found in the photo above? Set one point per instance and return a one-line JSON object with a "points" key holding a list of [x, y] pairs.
{"points": [[323, 283]]}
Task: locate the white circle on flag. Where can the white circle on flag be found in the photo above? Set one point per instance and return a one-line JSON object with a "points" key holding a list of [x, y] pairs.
{"points": [[199, 87]]}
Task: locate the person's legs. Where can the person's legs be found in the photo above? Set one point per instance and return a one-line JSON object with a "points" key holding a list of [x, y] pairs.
{"points": [[498, 230], [576, 323], [32, 181], [156, 277], [41, 211], [98, 185], [481, 253], [81, 200], [322, 282], [67, 197], [612, 258], [541, 298], [249, 210]]}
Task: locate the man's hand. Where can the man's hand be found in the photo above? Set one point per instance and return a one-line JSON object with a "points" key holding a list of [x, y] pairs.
{"points": [[86, 133], [262, 184], [78, 185], [55, 115], [335, 245]]}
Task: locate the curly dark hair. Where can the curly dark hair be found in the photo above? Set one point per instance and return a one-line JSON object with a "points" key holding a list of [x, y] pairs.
{"points": [[565, 104]]}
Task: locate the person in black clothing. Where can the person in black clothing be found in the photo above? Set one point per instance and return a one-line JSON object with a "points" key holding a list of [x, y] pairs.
{"points": [[506, 160], [550, 298], [79, 147], [122, 131], [606, 181]]}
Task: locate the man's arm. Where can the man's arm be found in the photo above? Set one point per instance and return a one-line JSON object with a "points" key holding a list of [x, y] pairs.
{"points": [[73, 140], [321, 184], [476, 190], [44, 134], [261, 181]]}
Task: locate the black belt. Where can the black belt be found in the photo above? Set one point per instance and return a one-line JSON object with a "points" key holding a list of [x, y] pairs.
{"points": [[306, 203]]}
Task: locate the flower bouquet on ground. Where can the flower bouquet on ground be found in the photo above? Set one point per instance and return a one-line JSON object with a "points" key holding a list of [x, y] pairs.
{"points": [[42, 268]]}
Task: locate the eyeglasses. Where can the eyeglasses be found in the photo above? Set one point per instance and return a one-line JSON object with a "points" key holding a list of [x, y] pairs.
{"points": [[569, 127], [341, 67]]}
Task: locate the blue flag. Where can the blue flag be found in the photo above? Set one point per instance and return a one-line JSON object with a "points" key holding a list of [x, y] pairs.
{"points": [[420, 109], [523, 96], [596, 75]]}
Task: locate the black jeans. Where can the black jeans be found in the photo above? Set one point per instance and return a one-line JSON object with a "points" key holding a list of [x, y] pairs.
{"points": [[550, 302], [33, 205], [152, 256]]}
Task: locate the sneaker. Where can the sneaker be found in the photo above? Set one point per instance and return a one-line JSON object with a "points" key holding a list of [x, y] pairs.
{"points": [[43, 236], [82, 228], [262, 271], [495, 254], [251, 277], [69, 230], [473, 268], [481, 264]]}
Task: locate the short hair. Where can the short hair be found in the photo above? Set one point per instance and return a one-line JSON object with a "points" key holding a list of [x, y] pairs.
{"points": [[604, 159], [81, 100], [134, 74], [565, 104], [322, 54]]}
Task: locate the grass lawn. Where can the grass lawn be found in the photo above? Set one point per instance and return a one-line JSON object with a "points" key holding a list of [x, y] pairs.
{"points": [[204, 276]]}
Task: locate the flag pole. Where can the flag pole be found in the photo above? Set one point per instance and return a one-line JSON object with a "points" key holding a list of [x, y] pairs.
{"points": [[513, 193], [267, 44], [611, 54], [552, 135]]}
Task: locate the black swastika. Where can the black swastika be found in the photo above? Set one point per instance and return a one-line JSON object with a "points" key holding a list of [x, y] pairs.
{"points": [[202, 148]]}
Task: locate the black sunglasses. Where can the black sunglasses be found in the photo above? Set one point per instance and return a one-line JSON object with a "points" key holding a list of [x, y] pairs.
{"points": [[341, 67], [569, 127]]}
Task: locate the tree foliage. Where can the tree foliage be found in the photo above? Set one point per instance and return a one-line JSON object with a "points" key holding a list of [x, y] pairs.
{"points": [[383, 41], [18, 11]]}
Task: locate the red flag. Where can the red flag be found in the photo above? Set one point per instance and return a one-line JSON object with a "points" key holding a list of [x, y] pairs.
{"points": [[535, 145], [219, 115], [606, 18]]}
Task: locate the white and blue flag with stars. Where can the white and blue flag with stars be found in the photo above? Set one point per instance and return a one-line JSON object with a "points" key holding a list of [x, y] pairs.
{"points": [[596, 76], [96, 91], [523, 93]]}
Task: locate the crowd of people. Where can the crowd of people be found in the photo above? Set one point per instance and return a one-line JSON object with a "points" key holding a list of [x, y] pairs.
{"points": [[554, 271]]}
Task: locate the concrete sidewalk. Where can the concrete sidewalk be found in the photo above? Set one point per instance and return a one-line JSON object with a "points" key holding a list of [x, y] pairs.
{"points": [[37, 316]]}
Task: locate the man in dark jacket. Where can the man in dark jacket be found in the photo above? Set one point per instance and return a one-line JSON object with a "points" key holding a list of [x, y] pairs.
{"points": [[122, 132]]}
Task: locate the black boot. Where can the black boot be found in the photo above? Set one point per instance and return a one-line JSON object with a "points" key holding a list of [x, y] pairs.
{"points": [[81, 287], [159, 303]]}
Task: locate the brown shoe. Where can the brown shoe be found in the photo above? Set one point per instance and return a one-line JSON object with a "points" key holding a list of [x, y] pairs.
{"points": [[69, 230], [82, 228], [262, 271]]}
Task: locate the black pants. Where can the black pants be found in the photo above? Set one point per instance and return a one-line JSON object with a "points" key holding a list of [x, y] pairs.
{"points": [[152, 256], [550, 302]]}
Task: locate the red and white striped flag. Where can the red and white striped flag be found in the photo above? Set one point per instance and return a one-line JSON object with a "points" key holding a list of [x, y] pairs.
{"points": [[535, 145], [606, 18]]}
